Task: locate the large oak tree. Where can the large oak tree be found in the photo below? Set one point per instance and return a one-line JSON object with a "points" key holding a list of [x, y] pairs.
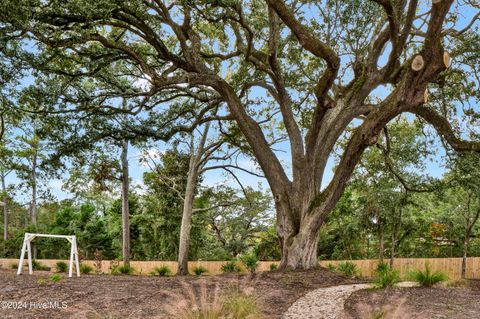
{"points": [[317, 65]]}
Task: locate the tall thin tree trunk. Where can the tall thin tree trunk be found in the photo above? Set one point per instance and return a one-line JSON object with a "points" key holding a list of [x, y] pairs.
{"points": [[464, 259], [33, 204], [196, 157], [392, 250], [381, 242], [187, 220], [5, 207], [125, 206]]}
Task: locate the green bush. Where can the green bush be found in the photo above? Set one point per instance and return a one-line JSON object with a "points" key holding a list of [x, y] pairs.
{"points": [[199, 270], [250, 261], [382, 267], [273, 266], [85, 269], [14, 266], [61, 266], [385, 276], [36, 265], [240, 305], [230, 266], [428, 278], [123, 270], [55, 278], [331, 267], [163, 270], [348, 268]]}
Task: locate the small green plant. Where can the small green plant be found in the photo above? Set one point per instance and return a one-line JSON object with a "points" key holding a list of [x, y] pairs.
{"points": [[163, 270], [240, 305], [348, 268], [230, 266], [42, 281], [14, 266], [385, 276], [199, 270], [55, 278], [428, 278], [61, 266], [85, 269], [273, 266], [123, 270], [250, 261], [36, 265], [331, 267]]}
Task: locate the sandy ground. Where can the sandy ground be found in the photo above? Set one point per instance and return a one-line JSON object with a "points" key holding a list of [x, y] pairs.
{"points": [[107, 296]]}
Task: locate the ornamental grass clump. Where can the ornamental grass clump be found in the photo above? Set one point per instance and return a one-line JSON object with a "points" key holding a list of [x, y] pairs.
{"points": [[428, 278]]}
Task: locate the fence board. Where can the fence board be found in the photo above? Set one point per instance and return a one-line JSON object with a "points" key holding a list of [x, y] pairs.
{"points": [[450, 266]]}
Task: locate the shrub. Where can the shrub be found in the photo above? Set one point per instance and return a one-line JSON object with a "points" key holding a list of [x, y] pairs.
{"points": [[85, 269], [199, 270], [36, 265], [250, 261], [428, 278], [55, 278], [215, 306], [230, 266], [42, 281], [240, 305], [331, 267], [14, 266], [348, 268], [273, 266], [385, 276], [123, 270], [61, 266], [163, 270], [382, 267]]}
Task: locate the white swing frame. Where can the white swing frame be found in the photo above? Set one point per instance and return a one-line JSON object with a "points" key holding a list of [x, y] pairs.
{"points": [[26, 247]]}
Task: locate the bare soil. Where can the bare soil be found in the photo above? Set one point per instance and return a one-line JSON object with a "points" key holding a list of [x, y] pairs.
{"points": [[416, 303], [108, 296]]}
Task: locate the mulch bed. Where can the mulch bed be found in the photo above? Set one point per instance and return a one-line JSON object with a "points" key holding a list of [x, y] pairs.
{"points": [[107, 296], [419, 303]]}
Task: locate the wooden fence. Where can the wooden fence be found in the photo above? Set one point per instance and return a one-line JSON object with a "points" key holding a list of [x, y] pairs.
{"points": [[450, 266]]}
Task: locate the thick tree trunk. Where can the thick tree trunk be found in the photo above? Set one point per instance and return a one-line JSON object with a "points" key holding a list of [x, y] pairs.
{"points": [[299, 239], [125, 206], [5, 207]]}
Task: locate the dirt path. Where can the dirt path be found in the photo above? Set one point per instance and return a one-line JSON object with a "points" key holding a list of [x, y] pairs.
{"points": [[323, 303]]}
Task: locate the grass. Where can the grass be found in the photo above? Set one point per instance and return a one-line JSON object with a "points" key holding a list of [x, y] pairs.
{"points": [[427, 278], [199, 270], [273, 266], [85, 269], [14, 266], [211, 303], [36, 265], [123, 270], [385, 276], [162, 271], [348, 268], [230, 266], [61, 266], [55, 278]]}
